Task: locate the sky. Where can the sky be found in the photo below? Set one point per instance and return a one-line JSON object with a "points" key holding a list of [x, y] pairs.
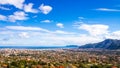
{"points": [[58, 22]]}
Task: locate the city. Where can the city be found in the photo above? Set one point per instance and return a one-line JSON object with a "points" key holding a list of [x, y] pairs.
{"points": [[59, 58]]}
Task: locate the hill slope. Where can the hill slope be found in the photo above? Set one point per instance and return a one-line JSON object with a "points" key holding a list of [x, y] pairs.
{"points": [[111, 44]]}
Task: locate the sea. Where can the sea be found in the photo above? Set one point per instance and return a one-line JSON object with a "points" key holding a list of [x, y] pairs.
{"points": [[36, 47]]}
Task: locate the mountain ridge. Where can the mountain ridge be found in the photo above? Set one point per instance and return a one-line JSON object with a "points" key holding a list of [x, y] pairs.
{"points": [[111, 44]]}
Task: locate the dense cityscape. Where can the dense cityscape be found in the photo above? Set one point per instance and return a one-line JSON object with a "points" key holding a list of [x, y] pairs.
{"points": [[59, 58]]}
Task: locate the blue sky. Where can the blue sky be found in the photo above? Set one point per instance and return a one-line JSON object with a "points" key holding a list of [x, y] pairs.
{"points": [[58, 22]]}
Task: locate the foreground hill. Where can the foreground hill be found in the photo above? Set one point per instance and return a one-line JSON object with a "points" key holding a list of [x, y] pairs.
{"points": [[111, 44]]}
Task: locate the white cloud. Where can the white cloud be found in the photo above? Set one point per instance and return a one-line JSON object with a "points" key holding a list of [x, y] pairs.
{"points": [[23, 35], [40, 36], [46, 21], [45, 9], [95, 29], [4, 8], [3, 18], [62, 32], [19, 15], [60, 25], [114, 35], [107, 9], [29, 8], [16, 3], [23, 28], [81, 18]]}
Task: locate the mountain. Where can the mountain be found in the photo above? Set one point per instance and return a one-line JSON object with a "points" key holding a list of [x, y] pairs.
{"points": [[112, 44]]}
